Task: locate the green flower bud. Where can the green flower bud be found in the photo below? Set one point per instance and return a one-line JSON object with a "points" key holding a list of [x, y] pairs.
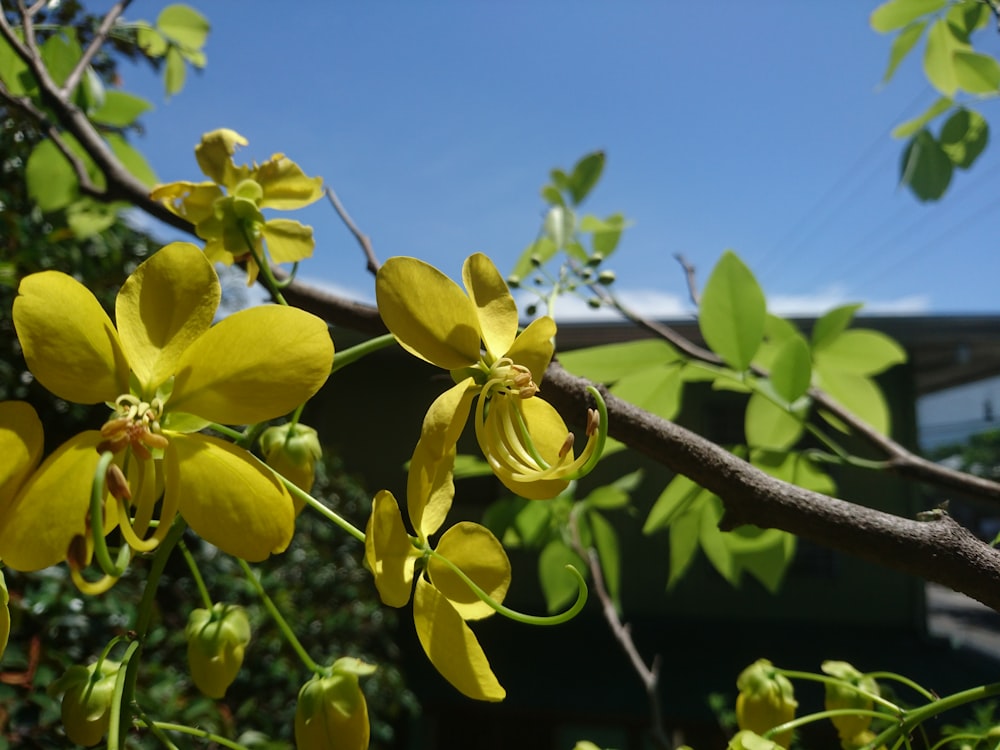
{"points": [[861, 739], [216, 640], [844, 695], [87, 696], [513, 281], [292, 450], [331, 713], [766, 699], [747, 740], [594, 302], [606, 277]]}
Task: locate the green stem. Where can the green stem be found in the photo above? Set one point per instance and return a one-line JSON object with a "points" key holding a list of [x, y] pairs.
{"points": [[352, 354], [818, 716], [316, 505], [265, 268], [279, 620], [196, 574], [234, 435], [836, 682], [118, 718], [581, 597], [917, 716], [905, 681], [203, 733]]}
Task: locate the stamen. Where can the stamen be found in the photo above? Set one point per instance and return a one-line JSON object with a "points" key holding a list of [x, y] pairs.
{"points": [[117, 483], [77, 554], [567, 445], [593, 421]]}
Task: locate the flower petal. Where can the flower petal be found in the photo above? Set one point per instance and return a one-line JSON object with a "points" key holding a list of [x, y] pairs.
{"points": [[479, 555], [503, 452], [429, 488], [21, 441], [255, 365], [430, 315], [165, 305], [69, 343], [215, 156], [285, 185], [228, 497], [533, 348], [37, 527], [287, 240], [194, 201], [495, 307], [452, 646], [388, 551]]}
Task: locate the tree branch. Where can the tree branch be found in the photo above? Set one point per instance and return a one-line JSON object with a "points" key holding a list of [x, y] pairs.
{"points": [[363, 239], [100, 36]]}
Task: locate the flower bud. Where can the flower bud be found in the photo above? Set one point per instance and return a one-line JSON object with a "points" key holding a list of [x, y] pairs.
{"points": [[216, 640], [860, 740], [766, 699], [747, 740], [844, 695], [87, 696], [606, 277], [331, 713], [292, 450]]}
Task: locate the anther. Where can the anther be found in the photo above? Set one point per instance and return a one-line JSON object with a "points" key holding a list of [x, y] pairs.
{"points": [[117, 483], [76, 553], [567, 445], [593, 421]]}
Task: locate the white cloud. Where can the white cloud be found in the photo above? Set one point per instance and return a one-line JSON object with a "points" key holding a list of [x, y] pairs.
{"points": [[835, 295], [649, 303]]}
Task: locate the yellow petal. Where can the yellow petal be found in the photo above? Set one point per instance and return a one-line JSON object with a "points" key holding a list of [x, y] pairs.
{"points": [[20, 445], [495, 307], [228, 497], [36, 528], [429, 489], [502, 451], [68, 340], [254, 365], [215, 156], [194, 201], [429, 314], [452, 646], [533, 348], [167, 303], [388, 551], [287, 240], [479, 555], [285, 185], [445, 419]]}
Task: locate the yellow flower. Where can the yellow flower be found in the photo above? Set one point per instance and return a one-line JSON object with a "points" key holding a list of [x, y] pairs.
{"points": [[166, 372], [226, 219], [442, 601], [474, 334]]}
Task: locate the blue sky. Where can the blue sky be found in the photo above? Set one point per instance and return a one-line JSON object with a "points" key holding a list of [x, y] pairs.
{"points": [[759, 127]]}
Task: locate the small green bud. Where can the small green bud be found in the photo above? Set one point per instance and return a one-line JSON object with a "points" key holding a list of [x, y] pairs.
{"points": [[331, 713], [747, 740], [594, 302], [530, 310], [292, 450], [588, 274], [606, 277], [513, 281], [536, 260], [216, 640], [86, 703], [596, 259]]}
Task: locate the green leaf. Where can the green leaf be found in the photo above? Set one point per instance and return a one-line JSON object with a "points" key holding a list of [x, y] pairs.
{"points": [[967, 16], [908, 128], [183, 25], [606, 233], [607, 497], [684, 543], [791, 369], [776, 332], [13, 71], [657, 390], [51, 181], [925, 167], [87, 217], [543, 249], [560, 179], [609, 362], [767, 425], [585, 175], [173, 76], [858, 394], [60, 53], [795, 468], [559, 225], [606, 543], [902, 45], [552, 196], [499, 517], [713, 542], [763, 553], [532, 522], [964, 137], [976, 73], [898, 13], [151, 41], [134, 161], [939, 57], [733, 312], [678, 497], [469, 465], [120, 109], [558, 584], [860, 351], [833, 323]]}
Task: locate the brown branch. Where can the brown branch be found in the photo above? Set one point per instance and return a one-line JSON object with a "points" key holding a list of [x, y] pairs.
{"points": [[363, 239], [690, 278], [941, 551]]}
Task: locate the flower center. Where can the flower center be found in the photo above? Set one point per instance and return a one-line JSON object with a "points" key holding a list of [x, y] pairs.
{"points": [[134, 424], [511, 378]]}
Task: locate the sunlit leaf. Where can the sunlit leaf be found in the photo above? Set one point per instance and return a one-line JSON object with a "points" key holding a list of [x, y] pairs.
{"points": [[133, 160], [184, 25], [898, 13], [925, 167], [908, 128], [833, 323], [733, 312], [713, 542], [173, 77], [684, 532], [559, 225], [767, 425], [858, 394], [151, 41], [120, 109], [763, 553], [861, 351], [558, 585], [13, 70], [902, 45], [606, 543], [541, 250], [791, 369], [552, 196], [977, 73], [609, 362], [60, 53], [585, 175], [939, 57], [677, 498], [964, 137]]}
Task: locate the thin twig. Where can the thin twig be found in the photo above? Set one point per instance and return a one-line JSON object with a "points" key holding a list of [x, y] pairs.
{"points": [[361, 237], [691, 281], [100, 36]]}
